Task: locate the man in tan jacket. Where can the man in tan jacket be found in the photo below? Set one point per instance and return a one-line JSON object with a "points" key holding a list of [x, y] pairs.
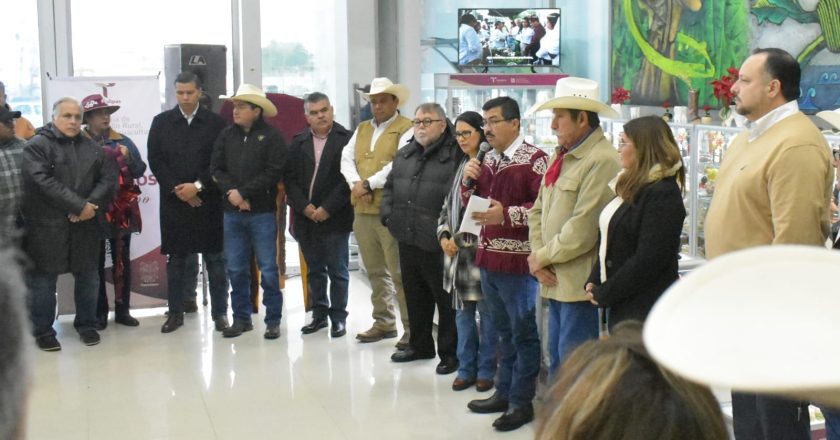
{"points": [[564, 219], [365, 164], [773, 187]]}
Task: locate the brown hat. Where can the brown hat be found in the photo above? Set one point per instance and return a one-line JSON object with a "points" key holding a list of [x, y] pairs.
{"points": [[96, 102]]}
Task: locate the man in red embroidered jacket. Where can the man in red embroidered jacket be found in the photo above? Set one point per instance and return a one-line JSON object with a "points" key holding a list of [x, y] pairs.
{"points": [[510, 176]]}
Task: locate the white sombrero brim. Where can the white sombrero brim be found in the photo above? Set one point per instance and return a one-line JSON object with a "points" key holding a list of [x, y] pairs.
{"points": [[400, 91], [832, 117], [268, 107], [575, 103], [762, 320]]}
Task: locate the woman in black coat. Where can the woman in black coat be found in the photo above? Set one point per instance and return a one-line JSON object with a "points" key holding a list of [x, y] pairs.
{"points": [[640, 229]]}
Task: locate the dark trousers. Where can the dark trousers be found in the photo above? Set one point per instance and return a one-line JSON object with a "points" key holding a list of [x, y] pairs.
{"points": [[42, 300], [327, 257], [422, 274], [761, 417], [182, 280], [121, 302]]}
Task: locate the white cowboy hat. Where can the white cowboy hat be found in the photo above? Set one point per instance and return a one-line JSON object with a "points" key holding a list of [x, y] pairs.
{"points": [[384, 85], [253, 94], [832, 117], [761, 320], [576, 94]]}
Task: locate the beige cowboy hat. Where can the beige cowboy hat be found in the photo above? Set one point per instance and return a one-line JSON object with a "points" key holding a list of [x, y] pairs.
{"points": [[832, 117], [253, 94], [762, 320], [575, 94], [384, 85]]}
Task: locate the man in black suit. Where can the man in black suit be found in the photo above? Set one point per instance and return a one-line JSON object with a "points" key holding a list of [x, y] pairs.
{"points": [[180, 145], [323, 217]]}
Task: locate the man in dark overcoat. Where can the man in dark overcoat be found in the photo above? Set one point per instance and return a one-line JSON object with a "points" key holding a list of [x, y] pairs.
{"points": [[179, 149]]}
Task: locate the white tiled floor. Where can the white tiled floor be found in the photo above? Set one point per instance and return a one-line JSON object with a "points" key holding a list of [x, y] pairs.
{"points": [[194, 384]]}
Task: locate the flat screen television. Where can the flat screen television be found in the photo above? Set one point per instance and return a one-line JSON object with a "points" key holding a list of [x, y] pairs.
{"points": [[498, 37]]}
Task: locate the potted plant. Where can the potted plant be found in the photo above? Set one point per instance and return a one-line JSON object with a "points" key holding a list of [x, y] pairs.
{"points": [[707, 117], [722, 89], [667, 116], [619, 96]]}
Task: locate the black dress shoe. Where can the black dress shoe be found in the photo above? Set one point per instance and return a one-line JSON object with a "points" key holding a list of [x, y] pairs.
{"points": [[489, 405], [126, 319], [514, 418], [338, 330], [314, 326], [447, 365], [173, 321], [272, 331], [89, 337], [221, 323], [48, 343], [410, 354], [237, 329]]}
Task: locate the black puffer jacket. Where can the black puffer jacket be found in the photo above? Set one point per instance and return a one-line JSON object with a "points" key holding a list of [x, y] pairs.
{"points": [[416, 187], [60, 175]]}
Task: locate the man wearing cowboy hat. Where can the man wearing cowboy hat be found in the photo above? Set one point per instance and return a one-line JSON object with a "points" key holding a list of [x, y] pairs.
{"points": [[510, 177], [564, 220], [773, 187], [179, 148], [123, 214], [365, 164], [247, 164]]}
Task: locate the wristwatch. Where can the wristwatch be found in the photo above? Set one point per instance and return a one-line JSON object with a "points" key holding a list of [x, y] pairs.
{"points": [[366, 185], [198, 185]]}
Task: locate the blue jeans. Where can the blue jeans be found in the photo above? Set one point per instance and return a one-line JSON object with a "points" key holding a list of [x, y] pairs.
{"points": [[832, 422], [42, 300], [182, 280], [511, 299], [569, 325], [476, 354], [245, 233], [327, 256]]}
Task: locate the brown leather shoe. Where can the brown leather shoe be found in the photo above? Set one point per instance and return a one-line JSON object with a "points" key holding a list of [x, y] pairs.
{"points": [[374, 334], [483, 385], [461, 384]]}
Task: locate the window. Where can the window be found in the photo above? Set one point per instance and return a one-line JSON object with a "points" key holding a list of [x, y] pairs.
{"points": [[20, 70]]}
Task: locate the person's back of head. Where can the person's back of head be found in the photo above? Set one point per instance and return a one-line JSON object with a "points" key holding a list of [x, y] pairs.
{"points": [[612, 389]]}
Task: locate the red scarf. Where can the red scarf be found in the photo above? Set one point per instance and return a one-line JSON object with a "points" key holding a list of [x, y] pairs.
{"points": [[554, 170]]}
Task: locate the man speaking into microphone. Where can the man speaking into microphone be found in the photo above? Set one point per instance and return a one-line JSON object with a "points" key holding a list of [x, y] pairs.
{"points": [[510, 177]]}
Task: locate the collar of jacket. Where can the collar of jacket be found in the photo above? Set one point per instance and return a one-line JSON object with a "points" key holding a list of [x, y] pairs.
{"points": [[175, 114], [50, 131], [337, 128], [258, 125], [581, 150], [426, 152]]}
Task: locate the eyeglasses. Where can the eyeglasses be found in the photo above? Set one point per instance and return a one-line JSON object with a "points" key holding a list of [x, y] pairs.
{"points": [[622, 144], [463, 134], [493, 122], [425, 122]]}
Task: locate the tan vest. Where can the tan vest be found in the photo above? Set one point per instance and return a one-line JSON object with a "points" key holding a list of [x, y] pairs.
{"points": [[370, 162]]}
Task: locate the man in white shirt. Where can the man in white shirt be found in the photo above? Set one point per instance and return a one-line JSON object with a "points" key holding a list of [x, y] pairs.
{"points": [[549, 51], [469, 44], [365, 164]]}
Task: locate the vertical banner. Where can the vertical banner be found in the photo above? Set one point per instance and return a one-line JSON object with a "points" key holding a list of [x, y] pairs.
{"points": [[139, 100]]}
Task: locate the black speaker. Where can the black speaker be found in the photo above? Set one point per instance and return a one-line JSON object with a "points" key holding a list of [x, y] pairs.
{"points": [[207, 61]]}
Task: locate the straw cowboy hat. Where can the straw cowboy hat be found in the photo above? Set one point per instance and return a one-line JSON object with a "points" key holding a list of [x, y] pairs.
{"points": [[97, 102], [576, 94], [832, 117], [253, 94], [384, 85], [761, 320]]}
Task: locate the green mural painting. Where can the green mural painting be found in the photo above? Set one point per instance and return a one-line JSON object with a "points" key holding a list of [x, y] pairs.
{"points": [[664, 48]]}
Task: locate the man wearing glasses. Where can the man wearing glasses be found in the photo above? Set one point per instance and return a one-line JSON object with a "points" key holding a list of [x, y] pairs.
{"points": [[510, 177], [414, 192], [365, 164]]}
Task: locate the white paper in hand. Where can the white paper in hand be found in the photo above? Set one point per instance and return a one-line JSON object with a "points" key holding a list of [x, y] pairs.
{"points": [[475, 204]]}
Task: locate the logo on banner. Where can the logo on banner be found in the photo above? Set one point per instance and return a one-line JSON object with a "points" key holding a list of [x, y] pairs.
{"points": [[105, 87], [197, 60]]}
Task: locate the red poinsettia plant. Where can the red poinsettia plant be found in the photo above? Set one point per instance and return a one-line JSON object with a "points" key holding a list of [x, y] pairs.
{"points": [[666, 105], [706, 109], [723, 87], [620, 95]]}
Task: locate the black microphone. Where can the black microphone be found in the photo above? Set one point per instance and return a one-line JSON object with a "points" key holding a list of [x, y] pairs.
{"points": [[482, 151]]}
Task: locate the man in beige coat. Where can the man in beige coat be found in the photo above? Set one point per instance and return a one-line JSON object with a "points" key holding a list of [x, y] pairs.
{"points": [[564, 219]]}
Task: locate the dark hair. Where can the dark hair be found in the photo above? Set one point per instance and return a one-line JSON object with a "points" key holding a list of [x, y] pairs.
{"points": [[473, 119], [599, 388], [655, 145], [593, 118], [782, 66], [467, 19], [510, 108], [312, 98], [553, 18], [187, 77]]}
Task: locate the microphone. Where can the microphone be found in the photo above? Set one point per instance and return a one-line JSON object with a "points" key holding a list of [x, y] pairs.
{"points": [[482, 151]]}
